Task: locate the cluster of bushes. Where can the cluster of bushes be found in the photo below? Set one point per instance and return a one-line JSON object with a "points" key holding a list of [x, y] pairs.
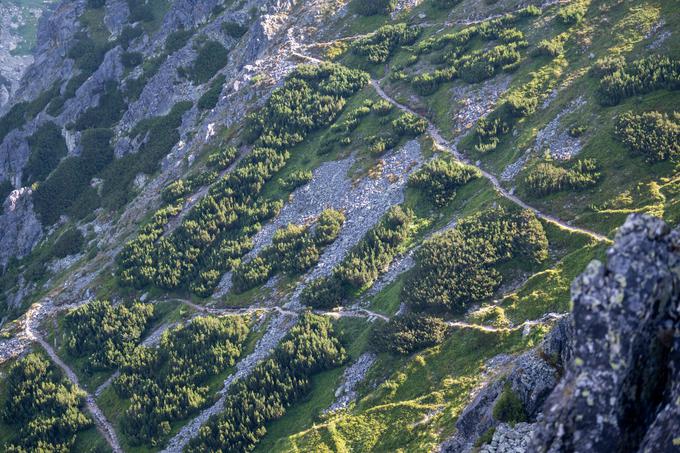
{"points": [[13, 119], [445, 4], [6, 187], [87, 53], [140, 11], [177, 39], [68, 243], [296, 179], [518, 104], [409, 125], [191, 257], [546, 178], [440, 178], [294, 250], [483, 64], [477, 65], [131, 60], [44, 410], [573, 13], [551, 47], [409, 333], [23, 112], [457, 268], [656, 135], [47, 147], [68, 184], [168, 383], [373, 7], [222, 158], [382, 142], [642, 76], [234, 29], [129, 34], [177, 190], [378, 46], [212, 56], [272, 387], [107, 334], [56, 104], [509, 407], [493, 29], [340, 132], [108, 111], [212, 96], [364, 263]]}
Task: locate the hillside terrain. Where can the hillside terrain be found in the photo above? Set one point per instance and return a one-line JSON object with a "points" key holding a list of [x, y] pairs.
{"points": [[322, 225]]}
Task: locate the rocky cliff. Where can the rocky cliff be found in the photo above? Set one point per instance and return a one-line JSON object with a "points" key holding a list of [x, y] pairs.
{"points": [[607, 377], [621, 391]]}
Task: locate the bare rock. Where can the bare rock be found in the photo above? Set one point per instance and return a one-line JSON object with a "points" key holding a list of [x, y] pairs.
{"points": [[622, 388], [20, 229]]}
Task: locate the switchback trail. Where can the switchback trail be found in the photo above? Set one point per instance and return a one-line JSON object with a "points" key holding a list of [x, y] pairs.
{"points": [[442, 144]]}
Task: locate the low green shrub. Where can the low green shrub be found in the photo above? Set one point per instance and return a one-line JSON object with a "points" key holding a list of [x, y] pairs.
{"points": [[176, 40], [373, 7], [212, 95], [440, 178], [234, 29], [131, 59], [655, 135], [47, 147], [222, 158], [70, 242], [409, 125], [509, 408], [546, 178], [458, 267], [378, 46], [295, 179], [409, 333], [645, 75], [212, 56]]}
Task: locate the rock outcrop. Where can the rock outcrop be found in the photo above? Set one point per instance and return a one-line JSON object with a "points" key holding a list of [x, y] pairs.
{"points": [[531, 376], [618, 356], [20, 229], [621, 391]]}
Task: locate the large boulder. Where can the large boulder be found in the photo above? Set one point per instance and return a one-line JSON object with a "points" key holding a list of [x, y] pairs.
{"points": [[621, 390]]}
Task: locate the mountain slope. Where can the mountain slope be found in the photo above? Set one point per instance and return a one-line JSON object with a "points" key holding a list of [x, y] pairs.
{"points": [[428, 178]]}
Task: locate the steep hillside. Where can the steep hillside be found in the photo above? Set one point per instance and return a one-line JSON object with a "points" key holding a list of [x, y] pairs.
{"points": [[296, 226]]}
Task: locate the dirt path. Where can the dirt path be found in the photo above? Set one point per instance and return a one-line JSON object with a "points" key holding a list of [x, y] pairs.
{"points": [[530, 323], [442, 144], [103, 425]]}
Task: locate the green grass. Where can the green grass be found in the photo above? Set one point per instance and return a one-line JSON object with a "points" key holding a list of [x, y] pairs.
{"points": [[549, 290], [354, 334], [418, 401]]}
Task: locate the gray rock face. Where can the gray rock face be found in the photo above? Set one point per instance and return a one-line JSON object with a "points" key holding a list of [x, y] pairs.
{"points": [[532, 376], [20, 229], [509, 439], [55, 34], [116, 17], [621, 391]]}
